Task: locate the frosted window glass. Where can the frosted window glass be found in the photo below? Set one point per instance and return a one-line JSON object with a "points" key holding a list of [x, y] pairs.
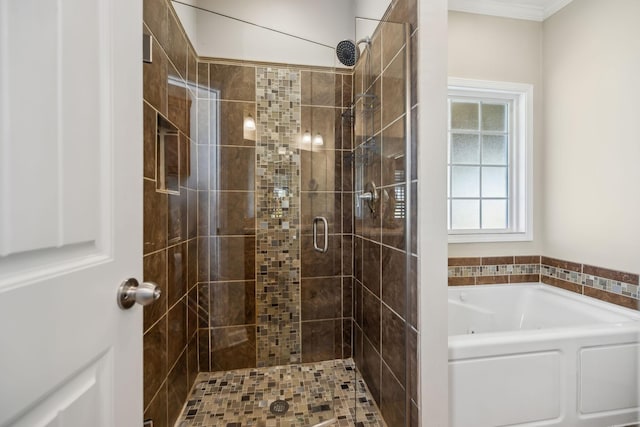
{"points": [[494, 150], [494, 117], [465, 214], [465, 149], [494, 214], [465, 181], [494, 182], [465, 115]]}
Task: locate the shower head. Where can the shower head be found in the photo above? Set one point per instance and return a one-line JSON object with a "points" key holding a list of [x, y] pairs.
{"points": [[348, 51]]}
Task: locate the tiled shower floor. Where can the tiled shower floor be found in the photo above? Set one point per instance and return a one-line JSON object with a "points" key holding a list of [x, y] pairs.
{"points": [[315, 392]]}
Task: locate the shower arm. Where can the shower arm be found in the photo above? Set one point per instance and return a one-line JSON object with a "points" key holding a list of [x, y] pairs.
{"points": [[366, 40]]}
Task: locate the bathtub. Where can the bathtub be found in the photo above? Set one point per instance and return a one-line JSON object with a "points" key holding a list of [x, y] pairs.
{"points": [[534, 355]]}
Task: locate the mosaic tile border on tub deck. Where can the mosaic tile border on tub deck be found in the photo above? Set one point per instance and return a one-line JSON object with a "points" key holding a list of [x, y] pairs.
{"points": [[315, 392], [488, 270], [565, 274], [278, 122], [494, 270], [591, 281]]}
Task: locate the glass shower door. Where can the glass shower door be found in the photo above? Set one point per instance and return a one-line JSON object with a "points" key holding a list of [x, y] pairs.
{"points": [[326, 224]]}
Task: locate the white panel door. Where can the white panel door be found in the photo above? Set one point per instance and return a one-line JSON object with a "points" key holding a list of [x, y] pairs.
{"points": [[70, 212]]}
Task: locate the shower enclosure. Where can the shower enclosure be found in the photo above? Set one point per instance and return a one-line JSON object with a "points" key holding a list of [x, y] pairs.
{"points": [[296, 192]]}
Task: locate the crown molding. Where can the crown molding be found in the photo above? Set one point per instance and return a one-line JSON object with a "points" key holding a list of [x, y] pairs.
{"points": [[508, 9]]}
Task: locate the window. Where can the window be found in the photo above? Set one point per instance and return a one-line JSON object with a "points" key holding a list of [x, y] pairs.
{"points": [[489, 161]]}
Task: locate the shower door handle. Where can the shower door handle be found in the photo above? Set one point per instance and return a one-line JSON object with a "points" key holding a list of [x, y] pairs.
{"points": [[316, 220]]}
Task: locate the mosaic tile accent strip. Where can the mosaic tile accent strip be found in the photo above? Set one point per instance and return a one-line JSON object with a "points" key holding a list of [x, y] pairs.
{"points": [[315, 392], [565, 274], [592, 281], [278, 96], [494, 270]]}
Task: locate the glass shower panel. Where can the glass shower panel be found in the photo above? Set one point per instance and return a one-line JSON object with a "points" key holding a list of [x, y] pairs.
{"points": [[274, 314], [383, 265]]}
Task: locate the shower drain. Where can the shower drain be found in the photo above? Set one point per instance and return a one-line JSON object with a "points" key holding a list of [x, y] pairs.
{"points": [[279, 407]]}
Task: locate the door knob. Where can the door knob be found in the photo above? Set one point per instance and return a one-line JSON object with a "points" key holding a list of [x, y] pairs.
{"points": [[131, 292]]}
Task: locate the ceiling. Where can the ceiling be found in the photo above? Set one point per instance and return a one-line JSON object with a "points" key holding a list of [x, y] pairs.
{"points": [[533, 10]]}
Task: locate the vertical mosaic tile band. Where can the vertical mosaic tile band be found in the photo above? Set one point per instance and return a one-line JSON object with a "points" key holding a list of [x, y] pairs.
{"points": [[278, 97]]}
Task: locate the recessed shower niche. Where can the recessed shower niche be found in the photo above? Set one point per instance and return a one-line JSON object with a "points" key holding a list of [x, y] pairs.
{"points": [[168, 157]]}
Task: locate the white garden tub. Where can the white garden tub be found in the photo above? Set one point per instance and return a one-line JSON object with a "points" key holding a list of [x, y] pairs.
{"points": [[534, 355]]}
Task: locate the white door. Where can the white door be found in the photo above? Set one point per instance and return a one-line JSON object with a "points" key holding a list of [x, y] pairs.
{"points": [[70, 212]]}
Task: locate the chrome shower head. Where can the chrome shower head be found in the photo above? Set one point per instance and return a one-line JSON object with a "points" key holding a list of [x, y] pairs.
{"points": [[348, 51]]}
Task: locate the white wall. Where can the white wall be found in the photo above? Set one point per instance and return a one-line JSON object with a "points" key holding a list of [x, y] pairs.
{"points": [[371, 9], [432, 213], [325, 22], [591, 163], [367, 13], [188, 17], [501, 49]]}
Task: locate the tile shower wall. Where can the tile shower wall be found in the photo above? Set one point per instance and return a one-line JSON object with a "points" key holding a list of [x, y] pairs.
{"points": [[612, 286], [221, 250], [264, 296], [278, 95], [226, 216], [170, 245], [380, 243]]}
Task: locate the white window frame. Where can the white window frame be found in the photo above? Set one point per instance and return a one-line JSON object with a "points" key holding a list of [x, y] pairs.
{"points": [[520, 158]]}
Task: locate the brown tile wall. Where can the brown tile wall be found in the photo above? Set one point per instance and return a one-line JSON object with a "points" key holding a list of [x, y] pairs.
{"points": [[608, 285], [380, 245], [227, 217], [170, 218]]}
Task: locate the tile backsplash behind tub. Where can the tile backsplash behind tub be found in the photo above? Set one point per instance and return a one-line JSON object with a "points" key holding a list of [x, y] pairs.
{"points": [[608, 285]]}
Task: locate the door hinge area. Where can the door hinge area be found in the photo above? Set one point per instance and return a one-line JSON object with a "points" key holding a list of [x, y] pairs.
{"points": [[147, 423]]}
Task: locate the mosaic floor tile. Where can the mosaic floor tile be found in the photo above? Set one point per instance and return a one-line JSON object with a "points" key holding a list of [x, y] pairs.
{"points": [[314, 392]]}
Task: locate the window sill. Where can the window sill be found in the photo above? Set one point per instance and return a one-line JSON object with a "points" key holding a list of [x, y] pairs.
{"points": [[490, 237]]}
